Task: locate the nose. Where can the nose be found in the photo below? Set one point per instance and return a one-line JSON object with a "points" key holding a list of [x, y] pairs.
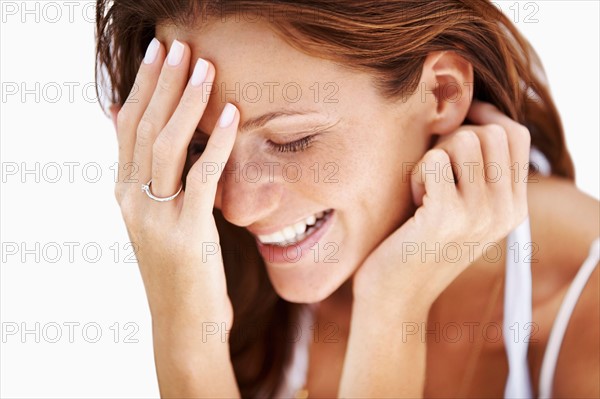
{"points": [[247, 193]]}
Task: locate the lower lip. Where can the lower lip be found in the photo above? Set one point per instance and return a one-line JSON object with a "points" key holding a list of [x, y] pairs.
{"points": [[295, 252]]}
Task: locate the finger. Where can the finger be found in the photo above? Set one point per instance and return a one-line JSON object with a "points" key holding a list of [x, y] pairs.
{"points": [[429, 180], [203, 176], [519, 141], [464, 149], [166, 96], [170, 148], [496, 159], [128, 117]]}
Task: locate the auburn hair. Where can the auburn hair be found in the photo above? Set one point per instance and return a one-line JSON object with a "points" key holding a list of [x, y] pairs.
{"points": [[390, 40]]}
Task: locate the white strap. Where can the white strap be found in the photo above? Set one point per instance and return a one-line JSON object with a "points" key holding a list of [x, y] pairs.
{"points": [[562, 320], [297, 371], [517, 311]]}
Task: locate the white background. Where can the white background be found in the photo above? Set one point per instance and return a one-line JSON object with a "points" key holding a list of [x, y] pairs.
{"points": [[61, 54]]}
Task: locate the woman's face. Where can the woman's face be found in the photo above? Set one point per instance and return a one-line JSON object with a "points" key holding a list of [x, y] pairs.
{"points": [[351, 172]]}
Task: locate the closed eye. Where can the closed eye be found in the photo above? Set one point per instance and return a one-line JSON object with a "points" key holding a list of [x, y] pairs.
{"points": [[293, 146], [198, 144]]}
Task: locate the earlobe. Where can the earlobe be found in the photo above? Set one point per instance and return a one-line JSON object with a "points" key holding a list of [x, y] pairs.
{"points": [[449, 84]]}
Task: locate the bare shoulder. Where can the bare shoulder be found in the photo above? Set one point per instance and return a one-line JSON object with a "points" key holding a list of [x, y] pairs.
{"points": [[564, 223], [561, 213], [578, 368]]}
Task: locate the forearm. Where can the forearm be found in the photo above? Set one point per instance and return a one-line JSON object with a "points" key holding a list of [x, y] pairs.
{"points": [[380, 360], [193, 361]]}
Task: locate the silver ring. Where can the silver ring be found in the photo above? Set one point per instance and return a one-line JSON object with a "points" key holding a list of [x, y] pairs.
{"points": [[146, 189]]}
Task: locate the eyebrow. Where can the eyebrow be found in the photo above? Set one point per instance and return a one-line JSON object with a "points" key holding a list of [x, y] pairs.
{"points": [[260, 121]]}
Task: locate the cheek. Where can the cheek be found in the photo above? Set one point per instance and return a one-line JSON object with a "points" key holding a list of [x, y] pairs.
{"points": [[377, 194]]}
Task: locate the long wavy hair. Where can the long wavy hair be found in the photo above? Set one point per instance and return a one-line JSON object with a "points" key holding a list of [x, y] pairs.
{"points": [[389, 39]]}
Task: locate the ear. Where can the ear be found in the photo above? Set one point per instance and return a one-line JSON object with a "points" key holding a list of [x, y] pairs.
{"points": [[447, 83], [114, 110]]}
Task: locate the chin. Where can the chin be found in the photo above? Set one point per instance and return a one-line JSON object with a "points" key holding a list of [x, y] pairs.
{"points": [[312, 269], [310, 283], [305, 294]]}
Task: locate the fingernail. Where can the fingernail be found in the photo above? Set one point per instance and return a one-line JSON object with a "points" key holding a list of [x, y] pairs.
{"points": [[227, 115], [175, 54], [152, 51], [199, 74]]}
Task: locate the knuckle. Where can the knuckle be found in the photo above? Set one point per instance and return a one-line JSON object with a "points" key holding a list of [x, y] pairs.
{"points": [[523, 133], [188, 103], [521, 129], [214, 146], [162, 149], [437, 155], [496, 135], [194, 177], [466, 138], [145, 132], [217, 144], [165, 83], [495, 130]]}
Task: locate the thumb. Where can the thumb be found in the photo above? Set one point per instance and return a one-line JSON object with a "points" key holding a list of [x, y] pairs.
{"points": [[417, 185], [428, 179]]}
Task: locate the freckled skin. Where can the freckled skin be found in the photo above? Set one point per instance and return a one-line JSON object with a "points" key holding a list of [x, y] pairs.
{"points": [[355, 167], [367, 141]]}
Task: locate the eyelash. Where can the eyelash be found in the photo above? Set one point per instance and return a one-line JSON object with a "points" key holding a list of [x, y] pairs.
{"points": [[294, 146]]}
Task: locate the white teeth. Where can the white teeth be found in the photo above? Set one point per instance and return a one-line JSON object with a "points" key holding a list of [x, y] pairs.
{"points": [[277, 237], [300, 227], [291, 234]]}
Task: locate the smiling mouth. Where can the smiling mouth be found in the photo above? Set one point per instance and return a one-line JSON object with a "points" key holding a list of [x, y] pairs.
{"points": [[298, 232]]}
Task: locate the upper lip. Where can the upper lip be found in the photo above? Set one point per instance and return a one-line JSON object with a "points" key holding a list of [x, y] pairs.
{"points": [[270, 230]]}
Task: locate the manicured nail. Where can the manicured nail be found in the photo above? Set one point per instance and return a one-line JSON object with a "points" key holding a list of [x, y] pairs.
{"points": [[152, 51], [175, 54], [199, 74], [227, 115]]}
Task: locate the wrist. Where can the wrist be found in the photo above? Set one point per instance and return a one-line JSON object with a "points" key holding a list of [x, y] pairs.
{"points": [[389, 311], [184, 314], [189, 364], [192, 344]]}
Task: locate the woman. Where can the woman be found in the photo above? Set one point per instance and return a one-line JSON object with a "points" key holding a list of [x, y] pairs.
{"points": [[375, 231]]}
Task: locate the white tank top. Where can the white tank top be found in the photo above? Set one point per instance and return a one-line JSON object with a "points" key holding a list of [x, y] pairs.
{"points": [[517, 315]]}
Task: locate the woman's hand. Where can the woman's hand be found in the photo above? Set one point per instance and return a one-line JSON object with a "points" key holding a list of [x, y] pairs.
{"points": [[404, 275], [419, 260], [177, 244]]}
